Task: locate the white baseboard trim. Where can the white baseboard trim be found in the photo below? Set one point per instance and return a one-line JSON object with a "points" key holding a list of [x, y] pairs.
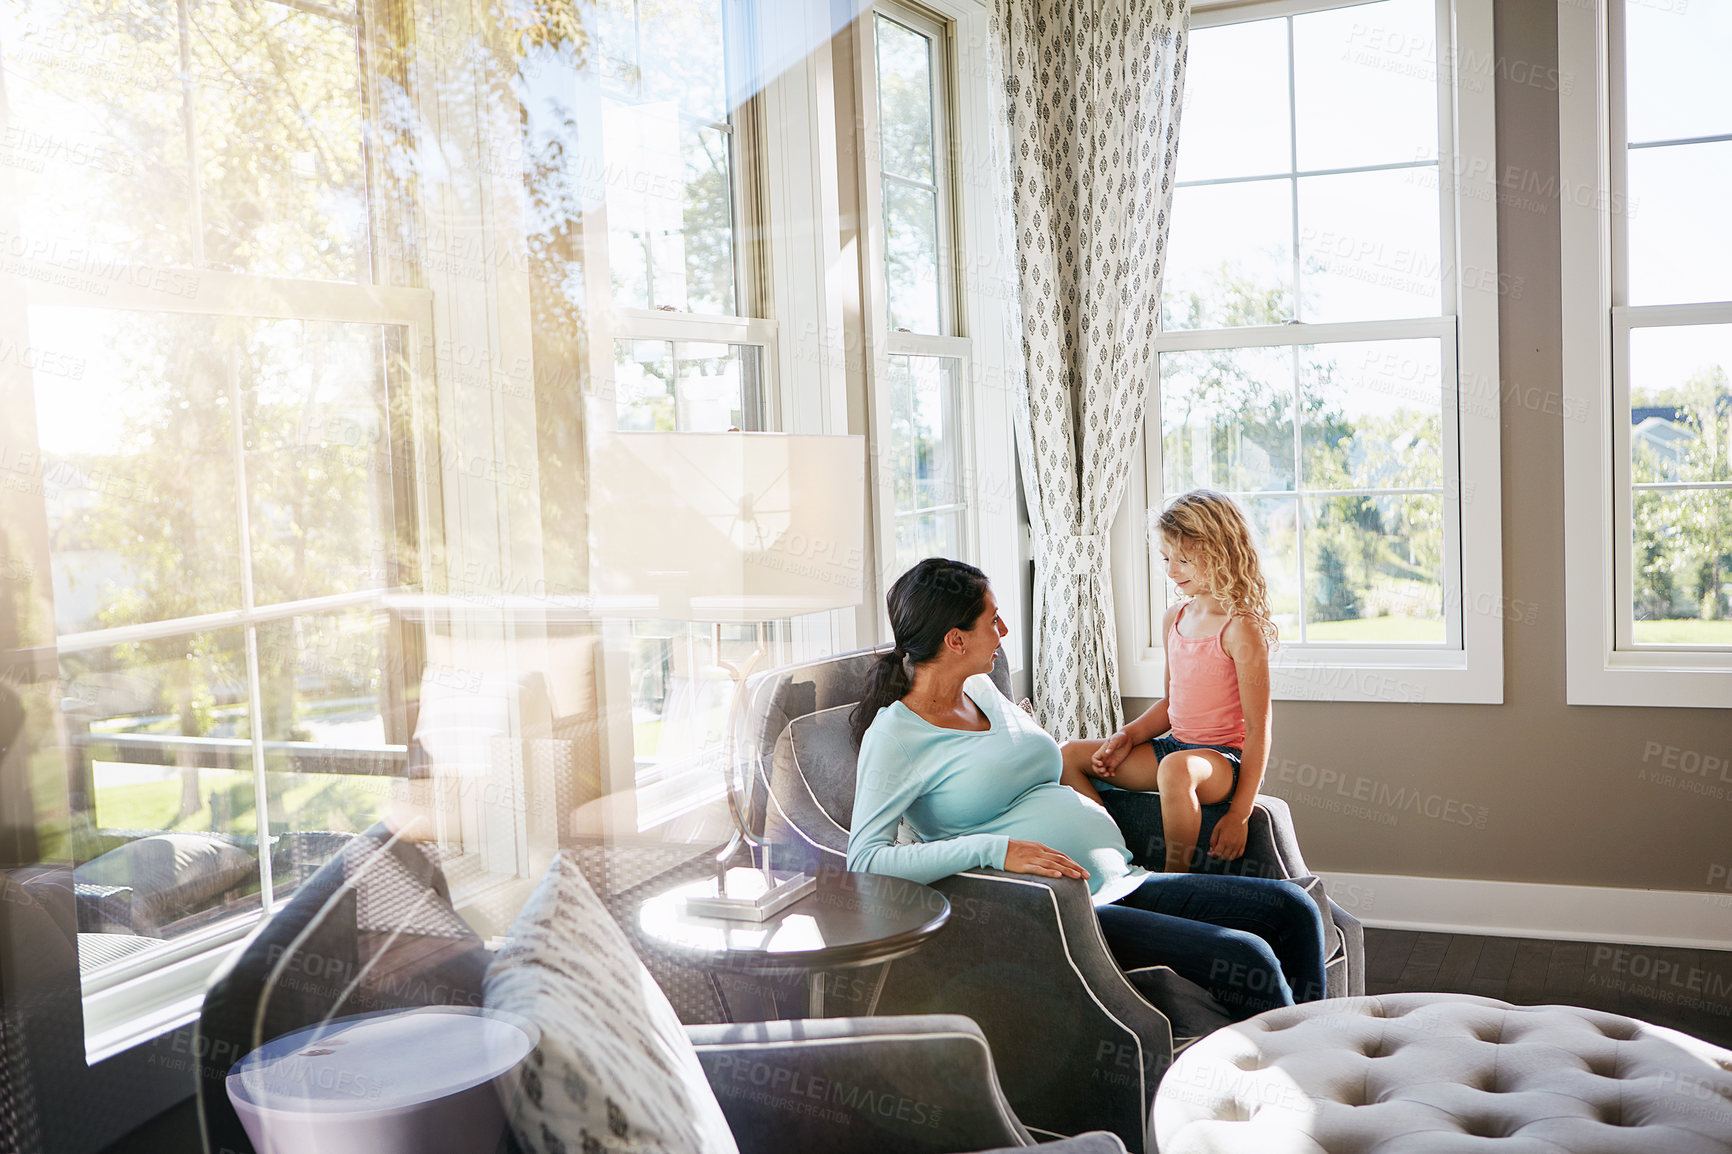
{"points": [[1695, 920]]}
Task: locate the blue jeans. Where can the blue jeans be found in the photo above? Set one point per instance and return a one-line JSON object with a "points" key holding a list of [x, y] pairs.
{"points": [[1253, 943]]}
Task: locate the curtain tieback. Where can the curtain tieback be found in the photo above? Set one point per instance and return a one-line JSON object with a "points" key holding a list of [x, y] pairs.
{"points": [[1072, 554]]}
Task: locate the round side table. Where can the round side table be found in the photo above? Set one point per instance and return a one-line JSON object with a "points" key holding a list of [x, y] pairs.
{"points": [[850, 920], [417, 1081]]}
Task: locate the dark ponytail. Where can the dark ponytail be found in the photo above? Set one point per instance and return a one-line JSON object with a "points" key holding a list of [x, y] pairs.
{"points": [[926, 603]]}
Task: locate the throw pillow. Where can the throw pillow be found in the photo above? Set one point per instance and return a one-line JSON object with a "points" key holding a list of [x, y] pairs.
{"points": [[615, 1070]]}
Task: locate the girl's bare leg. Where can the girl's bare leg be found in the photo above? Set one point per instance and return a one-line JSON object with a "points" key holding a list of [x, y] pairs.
{"points": [[1188, 780], [1136, 771]]}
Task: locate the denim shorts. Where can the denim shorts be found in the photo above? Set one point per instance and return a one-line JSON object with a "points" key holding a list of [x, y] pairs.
{"points": [[1170, 744]]}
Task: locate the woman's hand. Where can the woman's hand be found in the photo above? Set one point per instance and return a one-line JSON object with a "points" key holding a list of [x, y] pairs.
{"points": [[1030, 857], [1110, 755], [1228, 840]]}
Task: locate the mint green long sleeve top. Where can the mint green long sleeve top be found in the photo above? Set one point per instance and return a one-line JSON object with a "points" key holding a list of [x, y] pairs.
{"points": [[966, 795]]}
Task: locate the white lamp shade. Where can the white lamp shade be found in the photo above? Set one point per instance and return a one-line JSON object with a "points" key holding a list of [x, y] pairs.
{"points": [[727, 526]]}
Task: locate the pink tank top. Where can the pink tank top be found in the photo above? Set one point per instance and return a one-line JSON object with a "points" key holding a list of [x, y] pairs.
{"points": [[1203, 704]]}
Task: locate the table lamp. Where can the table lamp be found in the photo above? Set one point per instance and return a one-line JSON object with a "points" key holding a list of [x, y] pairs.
{"points": [[729, 528]]}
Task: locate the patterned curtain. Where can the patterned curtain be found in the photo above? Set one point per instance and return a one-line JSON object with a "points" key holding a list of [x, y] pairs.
{"points": [[1091, 101]]}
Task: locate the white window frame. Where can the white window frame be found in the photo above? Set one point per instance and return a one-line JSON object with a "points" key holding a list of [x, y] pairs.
{"points": [[973, 274], [1603, 668], [1468, 667], [134, 999]]}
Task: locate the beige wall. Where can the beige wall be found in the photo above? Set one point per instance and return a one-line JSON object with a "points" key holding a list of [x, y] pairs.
{"points": [[1560, 788]]}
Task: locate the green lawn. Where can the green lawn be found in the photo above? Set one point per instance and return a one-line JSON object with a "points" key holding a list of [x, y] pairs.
{"points": [[1683, 632], [1376, 630], [309, 801]]}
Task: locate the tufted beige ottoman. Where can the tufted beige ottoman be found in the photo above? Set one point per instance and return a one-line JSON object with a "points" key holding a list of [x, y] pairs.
{"points": [[1445, 1073]]}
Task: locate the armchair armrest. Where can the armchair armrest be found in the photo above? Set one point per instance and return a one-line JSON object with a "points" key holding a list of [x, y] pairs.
{"points": [[1351, 976], [1094, 1142], [858, 1085], [1077, 1047]]}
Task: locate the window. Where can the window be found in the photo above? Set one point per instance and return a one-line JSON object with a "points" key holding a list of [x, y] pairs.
{"points": [[692, 350], [1327, 350], [286, 502], [676, 198], [1649, 519], [921, 453], [226, 409]]}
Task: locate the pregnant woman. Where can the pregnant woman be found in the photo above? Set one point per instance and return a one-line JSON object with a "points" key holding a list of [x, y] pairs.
{"points": [[978, 782]]}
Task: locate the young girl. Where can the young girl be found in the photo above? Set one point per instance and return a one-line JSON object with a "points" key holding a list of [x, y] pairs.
{"points": [[1217, 700]]}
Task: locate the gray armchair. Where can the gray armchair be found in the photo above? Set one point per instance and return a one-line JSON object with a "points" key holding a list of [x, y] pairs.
{"points": [[1079, 1043], [867, 1085]]}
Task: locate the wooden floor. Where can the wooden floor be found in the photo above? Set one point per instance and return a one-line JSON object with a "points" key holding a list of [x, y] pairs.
{"points": [[1689, 990]]}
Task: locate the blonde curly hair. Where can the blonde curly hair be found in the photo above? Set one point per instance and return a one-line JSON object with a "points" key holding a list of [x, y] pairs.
{"points": [[1213, 531]]}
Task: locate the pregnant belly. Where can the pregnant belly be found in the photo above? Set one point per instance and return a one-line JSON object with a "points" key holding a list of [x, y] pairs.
{"points": [[1056, 815]]}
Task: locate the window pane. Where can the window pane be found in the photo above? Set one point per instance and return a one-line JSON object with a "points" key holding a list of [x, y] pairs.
{"points": [[324, 689], [927, 535], [911, 257], [669, 212], [319, 456], [1230, 257], [924, 434], [1374, 569], [138, 464], [1235, 112], [1680, 233], [665, 50], [1677, 82], [1681, 403], [278, 114], [163, 805], [680, 693], [1274, 530], [1374, 67], [1682, 565], [98, 158], [1368, 246], [1227, 419], [1373, 415], [904, 101], [101, 123], [668, 153], [688, 387]]}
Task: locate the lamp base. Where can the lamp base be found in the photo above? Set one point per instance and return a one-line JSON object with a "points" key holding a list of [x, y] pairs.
{"points": [[749, 896]]}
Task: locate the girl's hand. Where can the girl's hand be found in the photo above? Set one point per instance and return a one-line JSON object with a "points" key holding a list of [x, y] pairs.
{"points": [[1110, 755], [1030, 857], [1228, 840]]}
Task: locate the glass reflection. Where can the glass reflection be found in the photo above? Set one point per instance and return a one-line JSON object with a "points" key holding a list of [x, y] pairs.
{"points": [[139, 465], [163, 828], [688, 387], [925, 457], [667, 154], [230, 140]]}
